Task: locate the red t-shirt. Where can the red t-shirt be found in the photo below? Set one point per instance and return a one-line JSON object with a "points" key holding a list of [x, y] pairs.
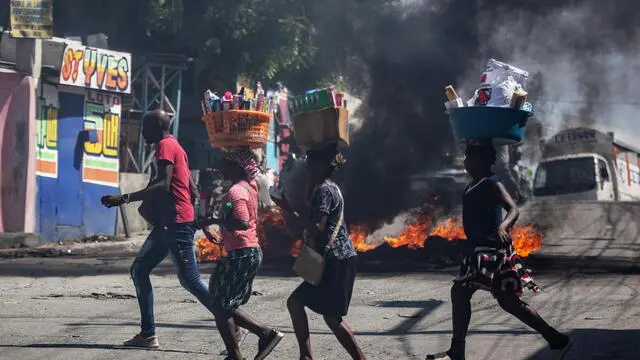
{"points": [[169, 149]]}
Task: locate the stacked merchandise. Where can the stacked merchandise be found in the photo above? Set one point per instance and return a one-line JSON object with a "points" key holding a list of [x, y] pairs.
{"points": [[498, 110], [320, 118], [236, 120]]}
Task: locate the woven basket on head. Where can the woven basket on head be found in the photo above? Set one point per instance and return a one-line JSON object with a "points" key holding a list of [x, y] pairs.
{"points": [[237, 128]]}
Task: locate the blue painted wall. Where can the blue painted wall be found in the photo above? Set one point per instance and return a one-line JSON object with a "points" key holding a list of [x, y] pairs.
{"points": [[97, 219], [68, 196], [46, 207], [68, 208]]}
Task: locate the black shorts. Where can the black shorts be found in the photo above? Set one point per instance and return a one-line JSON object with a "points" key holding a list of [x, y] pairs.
{"points": [[333, 295]]}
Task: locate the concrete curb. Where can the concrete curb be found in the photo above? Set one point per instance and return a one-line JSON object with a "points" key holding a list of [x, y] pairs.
{"points": [[129, 246], [18, 240]]}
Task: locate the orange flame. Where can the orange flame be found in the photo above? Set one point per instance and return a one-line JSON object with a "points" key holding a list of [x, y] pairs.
{"points": [[269, 219], [358, 237], [208, 251], [450, 230], [413, 236], [525, 238]]}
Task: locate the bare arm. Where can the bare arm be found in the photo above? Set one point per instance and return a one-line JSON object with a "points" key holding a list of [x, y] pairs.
{"points": [[162, 184], [193, 189], [509, 205]]}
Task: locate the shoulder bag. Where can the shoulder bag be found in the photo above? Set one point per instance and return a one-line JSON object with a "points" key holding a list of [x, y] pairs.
{"points": [[310, 264]]}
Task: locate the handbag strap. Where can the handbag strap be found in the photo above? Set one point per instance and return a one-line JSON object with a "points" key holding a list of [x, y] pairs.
{"points": [[336, 230]]}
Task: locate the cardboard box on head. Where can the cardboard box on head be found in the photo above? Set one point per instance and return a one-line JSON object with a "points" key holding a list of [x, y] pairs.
{"points": [[316, 129]]}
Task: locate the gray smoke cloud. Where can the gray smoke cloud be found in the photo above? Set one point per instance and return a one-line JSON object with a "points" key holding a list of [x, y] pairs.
{"points": [[586, 53], [583, 57]]}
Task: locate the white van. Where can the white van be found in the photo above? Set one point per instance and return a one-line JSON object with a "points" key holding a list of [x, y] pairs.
{"points": [[584, 164]]}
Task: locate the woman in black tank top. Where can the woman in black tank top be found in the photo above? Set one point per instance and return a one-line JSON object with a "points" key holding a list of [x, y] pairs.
{"points": [[492, 265]]}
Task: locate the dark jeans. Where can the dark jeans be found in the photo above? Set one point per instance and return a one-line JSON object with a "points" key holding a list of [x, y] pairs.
{"points": [[176, 239]]}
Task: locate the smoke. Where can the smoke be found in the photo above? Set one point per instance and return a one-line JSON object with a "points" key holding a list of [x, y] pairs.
{"points": [[583, 57], [585, 53], [418, 51]]}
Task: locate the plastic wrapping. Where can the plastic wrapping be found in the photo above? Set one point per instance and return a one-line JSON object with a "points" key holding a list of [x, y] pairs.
{"points": [[498, 83]]}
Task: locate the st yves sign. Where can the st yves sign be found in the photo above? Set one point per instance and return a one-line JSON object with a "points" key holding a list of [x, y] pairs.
{"points": [[96, 69]]}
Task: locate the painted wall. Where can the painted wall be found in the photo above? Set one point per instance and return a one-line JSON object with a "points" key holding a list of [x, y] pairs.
{"points": [[100, 161], [77, 161], [17, 154], [47, 161]]}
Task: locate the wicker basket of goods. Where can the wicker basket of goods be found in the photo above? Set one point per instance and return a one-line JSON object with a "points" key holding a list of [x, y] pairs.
{"points": [[237, 120], [237, 128], [320, 117]]}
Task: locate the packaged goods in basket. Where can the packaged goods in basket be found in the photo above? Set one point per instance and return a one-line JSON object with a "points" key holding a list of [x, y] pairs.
{"points": [[316, 129], [498, 83], [319, 118], [317, 99], [235, 120], [454, 101], [498, 109]]}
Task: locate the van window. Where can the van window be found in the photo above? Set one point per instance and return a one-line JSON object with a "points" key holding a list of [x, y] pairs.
{"points": [[565, 176]]}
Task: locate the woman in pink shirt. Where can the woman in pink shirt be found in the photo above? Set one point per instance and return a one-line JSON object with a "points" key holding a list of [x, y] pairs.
{"points": [[230, 285]]}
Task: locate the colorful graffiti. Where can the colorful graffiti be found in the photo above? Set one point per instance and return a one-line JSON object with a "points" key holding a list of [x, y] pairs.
{"points": [[47, 140], [100, 161], [96, 69]]}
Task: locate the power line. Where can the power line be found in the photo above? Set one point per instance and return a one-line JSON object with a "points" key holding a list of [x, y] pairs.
{"points": [[586, 102]]}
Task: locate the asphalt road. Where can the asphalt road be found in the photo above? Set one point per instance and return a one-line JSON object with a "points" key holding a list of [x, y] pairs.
{"points": [[83, 308]]}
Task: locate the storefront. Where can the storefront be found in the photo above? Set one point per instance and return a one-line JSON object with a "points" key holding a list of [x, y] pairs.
{"points": [[77, 148]]}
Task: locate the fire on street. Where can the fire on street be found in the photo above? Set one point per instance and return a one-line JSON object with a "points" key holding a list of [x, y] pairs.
{"points": [[419, 229]]}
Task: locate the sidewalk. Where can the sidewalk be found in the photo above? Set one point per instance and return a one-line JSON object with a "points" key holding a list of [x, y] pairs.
{"points": [[81, 248]]}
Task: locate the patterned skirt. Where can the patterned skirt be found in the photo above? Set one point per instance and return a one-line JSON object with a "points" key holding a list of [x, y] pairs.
{"points": [[496, 270], [230, 284]]}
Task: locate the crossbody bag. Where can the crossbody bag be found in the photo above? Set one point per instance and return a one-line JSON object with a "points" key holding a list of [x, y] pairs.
{"points": [[310, 264]]}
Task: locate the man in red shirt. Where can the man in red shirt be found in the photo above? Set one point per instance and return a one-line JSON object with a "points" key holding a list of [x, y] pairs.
{"points": [[167, 203]]}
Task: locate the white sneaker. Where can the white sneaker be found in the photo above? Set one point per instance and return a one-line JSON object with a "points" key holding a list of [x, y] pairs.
{"points": [[139, 341]]}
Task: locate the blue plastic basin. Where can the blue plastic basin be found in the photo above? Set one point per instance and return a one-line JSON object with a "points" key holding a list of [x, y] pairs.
{"points": [[503, 125]]}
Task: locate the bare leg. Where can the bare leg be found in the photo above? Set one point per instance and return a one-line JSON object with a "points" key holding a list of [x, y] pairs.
{"points": [[345, 337], [511, 303], [461, 316], [226, 328], [300, 327], [243, 320]]}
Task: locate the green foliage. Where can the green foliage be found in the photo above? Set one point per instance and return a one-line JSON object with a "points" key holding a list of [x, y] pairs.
{"points": [[301, 42]]}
